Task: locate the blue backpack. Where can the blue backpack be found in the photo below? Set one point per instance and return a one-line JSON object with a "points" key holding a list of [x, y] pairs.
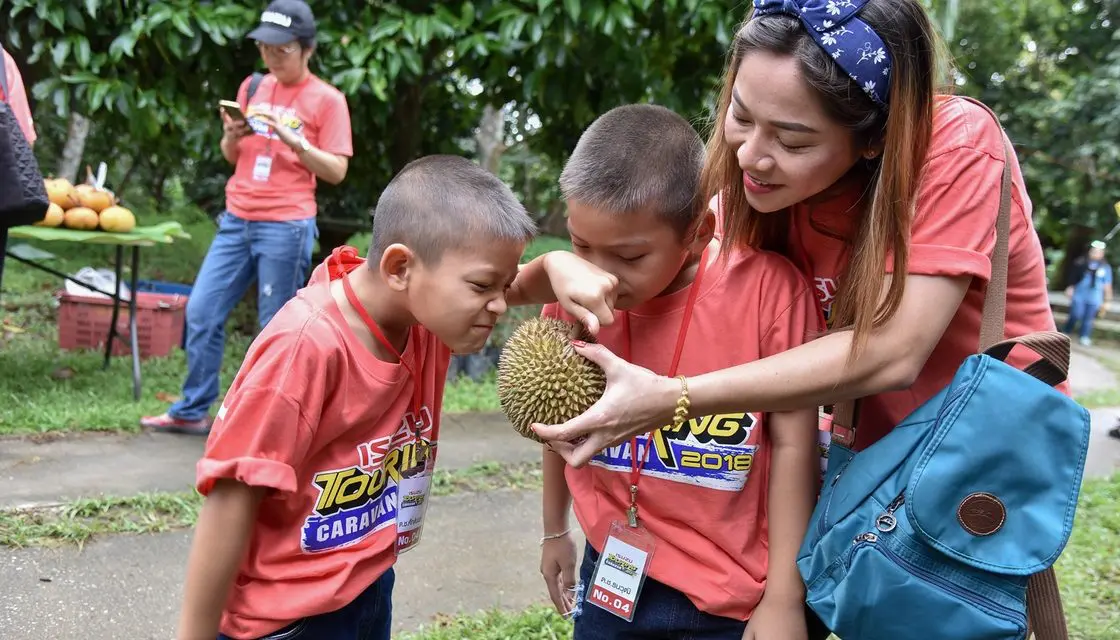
{"points": [[951, 523]]}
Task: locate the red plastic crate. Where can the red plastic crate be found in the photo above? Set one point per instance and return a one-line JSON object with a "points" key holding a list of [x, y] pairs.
{"points": [[83, 323]]}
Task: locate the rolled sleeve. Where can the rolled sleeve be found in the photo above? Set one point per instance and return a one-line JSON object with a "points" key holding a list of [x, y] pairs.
{"points": [[954, 225], [259, 439]]}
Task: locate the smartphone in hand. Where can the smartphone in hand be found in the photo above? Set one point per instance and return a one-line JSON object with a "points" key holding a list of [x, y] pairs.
{"points": [[232, 109]]}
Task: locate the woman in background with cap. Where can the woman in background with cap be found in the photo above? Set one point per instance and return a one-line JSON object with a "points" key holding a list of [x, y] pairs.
{"points": [[297, 133]]}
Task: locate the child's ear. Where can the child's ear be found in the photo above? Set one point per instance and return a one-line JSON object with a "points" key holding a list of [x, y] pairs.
{"points": [[705, 231], [397, 265]]}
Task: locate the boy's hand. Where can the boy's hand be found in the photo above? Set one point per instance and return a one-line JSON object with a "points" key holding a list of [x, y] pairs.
{"points": [[777, 619], [558, 567], [582, 289]]}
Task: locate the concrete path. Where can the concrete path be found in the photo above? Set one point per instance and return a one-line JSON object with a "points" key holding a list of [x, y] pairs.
{"points": [[130, 586], [37, 472], [1087, 374], [479, 551]]}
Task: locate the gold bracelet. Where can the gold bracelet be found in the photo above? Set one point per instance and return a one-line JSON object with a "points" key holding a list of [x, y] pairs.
{"points": [[683, 405]]}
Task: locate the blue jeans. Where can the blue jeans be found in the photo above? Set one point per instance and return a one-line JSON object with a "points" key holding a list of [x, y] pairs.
{"points": [[662, 613], [275, 254], [367, 617], [1082, 310]]}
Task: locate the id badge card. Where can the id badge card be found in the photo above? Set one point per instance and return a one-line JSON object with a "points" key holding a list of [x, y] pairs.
{"points": [[621, 570], [262, 168], [412, 499]]}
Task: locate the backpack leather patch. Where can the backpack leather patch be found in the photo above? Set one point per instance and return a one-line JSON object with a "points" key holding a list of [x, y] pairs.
{"points": [[981, 514]]}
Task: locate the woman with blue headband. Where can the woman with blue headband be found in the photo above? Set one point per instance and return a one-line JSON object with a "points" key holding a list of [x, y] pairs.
{"points": [[833, 145]]}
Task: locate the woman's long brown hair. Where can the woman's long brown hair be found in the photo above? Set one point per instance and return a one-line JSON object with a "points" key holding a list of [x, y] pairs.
{"points": [[882, 231]]}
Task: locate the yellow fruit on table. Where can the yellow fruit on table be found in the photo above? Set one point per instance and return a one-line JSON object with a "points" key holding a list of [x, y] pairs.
{"points": [[62, 193], [117, 219], [82, 218], [91, 197], [53, 217]]}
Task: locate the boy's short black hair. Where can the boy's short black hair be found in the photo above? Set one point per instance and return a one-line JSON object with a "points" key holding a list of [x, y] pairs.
{"points": [[442, 201], [638, 157]]}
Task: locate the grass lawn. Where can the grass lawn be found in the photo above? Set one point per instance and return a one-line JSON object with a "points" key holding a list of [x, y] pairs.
{"points": [[537, 623], [44, 389]]}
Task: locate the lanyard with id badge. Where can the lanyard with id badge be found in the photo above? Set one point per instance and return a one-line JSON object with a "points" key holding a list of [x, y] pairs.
{"points": [[416, 470], [623, 564], [262, 165]]}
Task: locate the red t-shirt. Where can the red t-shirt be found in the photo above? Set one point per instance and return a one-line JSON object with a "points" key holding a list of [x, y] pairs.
{"points": [[319, 420], [952, 234], [18, 100], [704, 489], [312, 108]]}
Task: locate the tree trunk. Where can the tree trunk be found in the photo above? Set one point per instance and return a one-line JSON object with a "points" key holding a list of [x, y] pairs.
{"points": [[405, 146], [120, 187], [491, 138], [75, 147], [555, 222]]}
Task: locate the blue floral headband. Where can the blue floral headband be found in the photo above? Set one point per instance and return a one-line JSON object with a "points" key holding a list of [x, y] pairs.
{"points": [[853, 44]]}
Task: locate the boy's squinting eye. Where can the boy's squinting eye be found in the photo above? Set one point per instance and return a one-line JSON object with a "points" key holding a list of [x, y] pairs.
{"points": [[632, 258]]}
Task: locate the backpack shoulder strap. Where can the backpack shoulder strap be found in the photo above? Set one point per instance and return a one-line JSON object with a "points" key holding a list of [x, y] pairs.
{"points": [[254, 83], [1045, 617]]}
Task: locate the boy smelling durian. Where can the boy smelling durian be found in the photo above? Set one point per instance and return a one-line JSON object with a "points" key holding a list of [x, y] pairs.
{"points": [[694, 528], [317, 469]]}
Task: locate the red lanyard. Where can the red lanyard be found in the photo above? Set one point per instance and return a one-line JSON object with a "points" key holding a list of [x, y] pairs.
{"points": [[635, 466], [417, 390]]}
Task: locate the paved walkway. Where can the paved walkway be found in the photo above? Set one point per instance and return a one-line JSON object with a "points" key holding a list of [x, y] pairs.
{"points": [[40, 473], [130, 586], [479, 550]]}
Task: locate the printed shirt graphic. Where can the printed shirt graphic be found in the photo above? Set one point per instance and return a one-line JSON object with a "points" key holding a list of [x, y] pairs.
{"points": [[952, 234], [704, 487], [325, 425], [313, 109]]}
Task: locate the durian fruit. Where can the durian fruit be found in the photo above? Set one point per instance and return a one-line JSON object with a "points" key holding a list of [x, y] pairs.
{"points": [[542, 379]]}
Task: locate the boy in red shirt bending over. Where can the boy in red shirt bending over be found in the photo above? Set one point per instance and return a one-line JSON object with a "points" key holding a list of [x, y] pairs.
{"points": [[722, 501], [317, 470]]}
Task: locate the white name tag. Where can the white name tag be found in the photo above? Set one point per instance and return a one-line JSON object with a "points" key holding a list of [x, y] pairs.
{"points": [[621, 571], [412, 505], [262, 168]]}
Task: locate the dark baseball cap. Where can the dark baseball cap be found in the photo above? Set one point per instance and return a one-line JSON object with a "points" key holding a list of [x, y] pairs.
{"points": [[284, 21]]}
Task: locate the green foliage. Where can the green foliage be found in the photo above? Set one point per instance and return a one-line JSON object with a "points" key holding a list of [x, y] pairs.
{"points": [[1051, 68], [416, 75]]}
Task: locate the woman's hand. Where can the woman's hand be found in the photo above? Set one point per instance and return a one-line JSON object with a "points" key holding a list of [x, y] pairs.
{"points": [[234, 130], [635, 401], [286, 135]]}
